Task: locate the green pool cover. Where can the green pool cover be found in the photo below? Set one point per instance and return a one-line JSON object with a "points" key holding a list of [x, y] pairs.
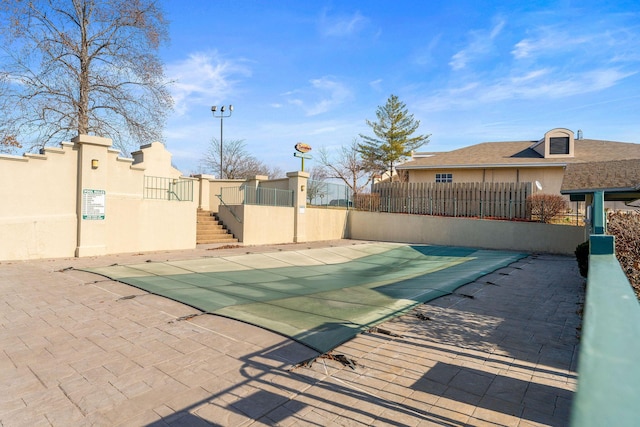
{"points": [[319, 297]]}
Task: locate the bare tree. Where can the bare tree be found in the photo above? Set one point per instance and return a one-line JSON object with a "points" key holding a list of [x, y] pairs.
{"points": [[237, 162], [348, 166], [315, 185], [8, 142], [84, 67]]}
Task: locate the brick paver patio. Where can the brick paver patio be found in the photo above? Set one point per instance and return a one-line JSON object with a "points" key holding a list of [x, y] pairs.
{"points": [[78, 349]]}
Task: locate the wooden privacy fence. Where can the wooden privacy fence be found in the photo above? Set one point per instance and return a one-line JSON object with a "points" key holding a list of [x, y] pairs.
{"points": [[475, 199]]}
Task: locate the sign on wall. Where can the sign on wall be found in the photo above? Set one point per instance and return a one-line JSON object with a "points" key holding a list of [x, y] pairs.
{"points": [[93, 202]]}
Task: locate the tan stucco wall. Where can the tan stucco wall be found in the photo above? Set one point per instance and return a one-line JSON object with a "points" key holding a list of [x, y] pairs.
{"points": [[156, 160], [326, 224], [259, 225], [38, 204], [280, 184], [475, 233], [40, 212], [233, 219], [550, 178], [459, 175], [267, 225], [151, 225], [262, 225]]}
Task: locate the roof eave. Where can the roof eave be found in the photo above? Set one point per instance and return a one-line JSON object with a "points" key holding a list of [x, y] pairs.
{"points": [[604, 190], [484, 166]]}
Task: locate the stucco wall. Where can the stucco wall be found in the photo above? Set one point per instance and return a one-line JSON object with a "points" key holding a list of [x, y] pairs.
{"points": [[476, 233], [262, 225], [42, 202], [267, 225], [259, 225], [326, 224], [550, 178], [233, 218], [150, 225], [280, 184], [38, 204]]}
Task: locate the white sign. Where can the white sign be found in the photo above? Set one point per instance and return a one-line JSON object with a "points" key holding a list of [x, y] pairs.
{"points": [[93, 204]]}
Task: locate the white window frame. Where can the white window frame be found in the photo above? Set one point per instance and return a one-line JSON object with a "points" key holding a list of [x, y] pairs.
{"points": [[444, 177]]}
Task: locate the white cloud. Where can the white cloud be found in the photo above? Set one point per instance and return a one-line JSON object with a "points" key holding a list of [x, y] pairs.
{"points": [[549, 42], [480, 45], [203, 79], [342, 26], [323, 95], [533, 85], [376, 84], [424, 56]]}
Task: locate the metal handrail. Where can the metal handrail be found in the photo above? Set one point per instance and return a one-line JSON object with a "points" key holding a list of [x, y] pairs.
{"points": [[164, 188], [219, 196]]}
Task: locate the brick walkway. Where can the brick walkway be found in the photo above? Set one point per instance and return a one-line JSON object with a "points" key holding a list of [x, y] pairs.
{"points": [[78, 349]]}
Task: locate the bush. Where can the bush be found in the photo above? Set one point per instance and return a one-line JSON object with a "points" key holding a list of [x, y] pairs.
{"points": [[367, 201], [625, 226], [582, 256], [545, 206]]}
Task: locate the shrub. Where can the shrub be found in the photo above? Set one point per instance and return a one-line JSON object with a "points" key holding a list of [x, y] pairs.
{"points": [[367, 201], [625, 226], [545, 206], [582, 256]]}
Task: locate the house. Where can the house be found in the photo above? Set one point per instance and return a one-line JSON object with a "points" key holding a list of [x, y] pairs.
{"points": [[542, 162]]}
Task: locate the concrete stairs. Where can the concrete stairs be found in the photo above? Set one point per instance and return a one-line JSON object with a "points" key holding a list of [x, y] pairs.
{"points": [[210, 230]]}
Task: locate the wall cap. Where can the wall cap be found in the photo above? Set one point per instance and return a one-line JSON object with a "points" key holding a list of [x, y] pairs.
{"points": [[14, 158], [92, 140], [298, 174], [35, 156]]}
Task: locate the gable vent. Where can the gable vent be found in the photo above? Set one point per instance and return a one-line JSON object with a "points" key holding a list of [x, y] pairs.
{"points": [[559, 145]]}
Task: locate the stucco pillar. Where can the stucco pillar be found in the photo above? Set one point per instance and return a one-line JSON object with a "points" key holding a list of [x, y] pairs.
{"points": [[298, 183], [91, 196], [204, 191]]}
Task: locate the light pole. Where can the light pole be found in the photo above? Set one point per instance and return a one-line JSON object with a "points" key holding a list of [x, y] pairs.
{"points": [[222, 116]]}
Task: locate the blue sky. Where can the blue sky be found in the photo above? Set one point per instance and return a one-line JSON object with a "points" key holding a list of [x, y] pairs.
{"points": [[470, 71]]}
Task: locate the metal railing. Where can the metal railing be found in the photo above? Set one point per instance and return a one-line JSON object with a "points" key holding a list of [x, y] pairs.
{"points": [[321, 193], [161, 188], [608, 371], [230, 208], [249, 195]]}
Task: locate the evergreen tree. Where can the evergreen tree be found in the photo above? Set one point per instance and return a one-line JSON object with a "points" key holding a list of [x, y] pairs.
{"points": [[393, 140]]}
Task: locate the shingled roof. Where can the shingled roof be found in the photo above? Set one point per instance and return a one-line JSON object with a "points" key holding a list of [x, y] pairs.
{"points": [[617, 175], [520, 154]]}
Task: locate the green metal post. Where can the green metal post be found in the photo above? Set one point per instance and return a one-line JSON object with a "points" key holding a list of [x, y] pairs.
{"points": [[598, 220]]}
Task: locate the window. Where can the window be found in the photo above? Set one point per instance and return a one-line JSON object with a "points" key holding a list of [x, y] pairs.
{"points": [[559, 145], [444, 177]]}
